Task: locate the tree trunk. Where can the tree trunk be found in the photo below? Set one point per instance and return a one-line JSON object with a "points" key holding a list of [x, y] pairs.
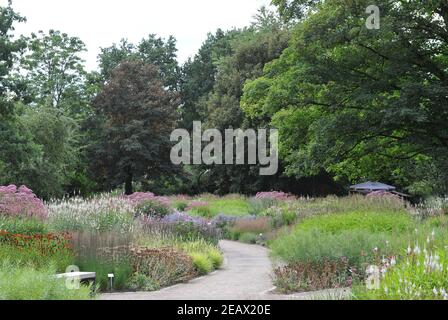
{"points": [[128, 185]]}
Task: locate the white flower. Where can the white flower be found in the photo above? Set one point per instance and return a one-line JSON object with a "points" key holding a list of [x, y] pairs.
{"points": [[393, 261], [417, 250]]}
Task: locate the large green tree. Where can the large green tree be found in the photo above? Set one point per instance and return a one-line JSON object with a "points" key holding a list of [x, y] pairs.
{"points": [[55, 74], [361, 103], [135, 114]]}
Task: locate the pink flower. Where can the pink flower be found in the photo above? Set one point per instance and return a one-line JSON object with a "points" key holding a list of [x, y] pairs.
{"points": [[21, 202], [275, 195]]}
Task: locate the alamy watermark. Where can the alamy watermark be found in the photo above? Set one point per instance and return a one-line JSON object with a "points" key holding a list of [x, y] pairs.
{"points": [[373, 21], [226, 148]]}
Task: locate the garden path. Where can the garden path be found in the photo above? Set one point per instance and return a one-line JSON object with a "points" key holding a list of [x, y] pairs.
{"points": [[245, 275]]}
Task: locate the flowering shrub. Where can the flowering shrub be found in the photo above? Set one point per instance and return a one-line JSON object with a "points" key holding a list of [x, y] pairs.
{"points": [[21, 202], [139, 197]]}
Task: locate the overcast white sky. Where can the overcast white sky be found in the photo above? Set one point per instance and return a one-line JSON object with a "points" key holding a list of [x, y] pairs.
{"points": [[99, 23]]}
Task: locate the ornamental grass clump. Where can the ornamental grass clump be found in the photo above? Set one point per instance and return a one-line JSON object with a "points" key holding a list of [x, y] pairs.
{"points": [[100, 214], [29, 283], [21, 202]]}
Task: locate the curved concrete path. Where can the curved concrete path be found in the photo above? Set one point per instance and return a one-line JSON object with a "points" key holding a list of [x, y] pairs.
{"points": [[245, 275]]}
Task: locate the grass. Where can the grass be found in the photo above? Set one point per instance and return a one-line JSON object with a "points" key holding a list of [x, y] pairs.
{"points": [[369, 221], [29, 283], [202, 263], [328, 250], [232, 205]]}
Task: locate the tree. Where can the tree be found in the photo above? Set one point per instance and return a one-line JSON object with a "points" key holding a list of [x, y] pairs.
{"points": [[199, 75], [55, 74], [8, 49], [137, 116], [251, 49], [151, 50], [16, 148], [360, 103]]}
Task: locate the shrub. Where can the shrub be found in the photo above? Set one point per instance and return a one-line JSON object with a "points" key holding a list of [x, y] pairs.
{"points": [[163, 266], [202, 263], [141, 282], [28, 283], [21, 202], [281, 216], [152, 209], [308, 276], [20, 225]]}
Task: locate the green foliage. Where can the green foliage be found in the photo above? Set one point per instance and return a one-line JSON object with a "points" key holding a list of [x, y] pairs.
{"points": [[27, 283], [55, 74], [35, 258], [203, 211], [151, 50], [340, 92], [281, 216], [248, 237], [121, 268], [417, 277], [135, 95], [141, 282], [317, 246], [371, 222], [216, 257], [258, 206], [180, 205], [202, 263], [23, 226], [152, 208]]}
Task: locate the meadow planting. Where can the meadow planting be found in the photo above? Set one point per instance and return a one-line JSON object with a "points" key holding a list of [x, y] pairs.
{"points": [[149, 242]]}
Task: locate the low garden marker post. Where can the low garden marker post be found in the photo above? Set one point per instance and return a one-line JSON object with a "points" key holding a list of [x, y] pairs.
{"points": [[111, 278]]}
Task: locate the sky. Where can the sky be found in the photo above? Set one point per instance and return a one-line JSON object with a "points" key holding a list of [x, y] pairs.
{"points": [[99, 23]]}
